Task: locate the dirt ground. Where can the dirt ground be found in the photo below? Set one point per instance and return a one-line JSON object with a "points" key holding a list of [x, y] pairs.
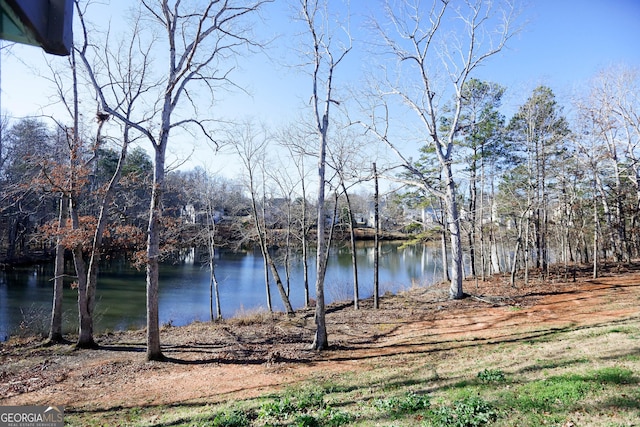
{"points": [[239, 358]]}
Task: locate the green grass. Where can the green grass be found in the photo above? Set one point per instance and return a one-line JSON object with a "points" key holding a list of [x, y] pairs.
{"points": [[468, 412], [424, 389], [402, 405], [491, 397]]}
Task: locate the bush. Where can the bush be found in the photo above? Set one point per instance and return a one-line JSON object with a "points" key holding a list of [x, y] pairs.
{"points": [[34, 323]]}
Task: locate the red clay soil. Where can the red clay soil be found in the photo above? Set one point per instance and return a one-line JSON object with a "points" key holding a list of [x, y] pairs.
{"points": [[246, 357]]}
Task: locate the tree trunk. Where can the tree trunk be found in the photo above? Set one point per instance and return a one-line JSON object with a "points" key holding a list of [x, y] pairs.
{"points": [[473, 195], [276, 276], [96, 254], [516, 251], [514, 262], [453, 220], [85, 337], [305, 246], [525, 254], [483, 255], [287, 253], [267, 281], [269, 264], [85, 315], [352, 242], [444, 250], [154, 351], [595, 234], [261, 227], [320, 341], [214, 294], [376, 241], [55, 329], [214, 291]]}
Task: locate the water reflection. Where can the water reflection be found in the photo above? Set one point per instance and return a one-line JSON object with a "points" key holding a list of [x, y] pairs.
{"points": [[25, 293]]}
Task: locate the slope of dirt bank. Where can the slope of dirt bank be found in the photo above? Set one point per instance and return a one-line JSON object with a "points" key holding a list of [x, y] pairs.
{"points": [[241, 358]]}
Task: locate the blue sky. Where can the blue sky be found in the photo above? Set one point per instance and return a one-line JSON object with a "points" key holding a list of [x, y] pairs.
{"points": [[566, 42], [563, 44]]}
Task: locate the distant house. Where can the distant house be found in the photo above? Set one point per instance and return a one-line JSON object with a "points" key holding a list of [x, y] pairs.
{"points": [[361, 219], [191, 215]]}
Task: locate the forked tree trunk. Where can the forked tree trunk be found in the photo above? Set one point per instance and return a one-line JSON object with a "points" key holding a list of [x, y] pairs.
{"points": [[96, 255]]}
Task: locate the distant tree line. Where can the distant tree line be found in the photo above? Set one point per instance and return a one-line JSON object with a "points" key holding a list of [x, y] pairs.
{"points": [[536, 189], [31, 152]]}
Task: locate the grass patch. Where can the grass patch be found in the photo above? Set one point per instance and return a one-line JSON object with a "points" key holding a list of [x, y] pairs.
{"points": [[303, 407], [547, 395], [469, 412], [406, 404], [234, 418], [614, 375], [628, 330]]}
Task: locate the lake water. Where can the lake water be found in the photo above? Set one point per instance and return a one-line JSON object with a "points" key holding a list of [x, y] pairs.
{"points": [[26, 293]]}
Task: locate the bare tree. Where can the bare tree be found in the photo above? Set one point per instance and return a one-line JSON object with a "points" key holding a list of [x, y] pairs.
{"points": [[283, 210], [120, 65], [295, 140], [207, 190], [613, 106], [197, 38], [324, 58], [444, 40], [55, 326], [344, 159], [251, 146], [376, 238], [76, 172]]}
